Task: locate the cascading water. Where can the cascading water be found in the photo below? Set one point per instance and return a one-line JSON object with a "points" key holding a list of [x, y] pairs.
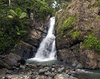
{"points": [[47, 48]]}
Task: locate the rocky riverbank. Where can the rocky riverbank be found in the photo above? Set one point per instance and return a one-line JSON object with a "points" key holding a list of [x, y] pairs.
{"points": [[31, 71]]}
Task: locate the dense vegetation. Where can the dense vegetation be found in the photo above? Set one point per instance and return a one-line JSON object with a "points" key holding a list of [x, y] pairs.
{"points": [[14, 19]]}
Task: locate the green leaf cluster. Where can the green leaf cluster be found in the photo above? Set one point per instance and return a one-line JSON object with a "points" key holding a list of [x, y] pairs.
{"points": [[12, 29], [92, 42]]}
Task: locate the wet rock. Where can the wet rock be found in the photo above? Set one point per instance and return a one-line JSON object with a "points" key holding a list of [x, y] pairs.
{"points": [[43, 77], [61, 76], [24, 50], [48, 73], [4, 78], [9, 61], [51, 74], [40, 77], [22, 62], [3, 71], [64, 76], [61, 69], [18, 77], [53, 69], [42, 71]]}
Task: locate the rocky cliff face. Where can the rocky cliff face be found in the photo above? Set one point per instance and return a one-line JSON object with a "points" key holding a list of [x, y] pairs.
{"points": [[74, 24]]}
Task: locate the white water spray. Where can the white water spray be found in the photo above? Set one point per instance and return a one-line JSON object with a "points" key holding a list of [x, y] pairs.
{"points": [[47, 48]]}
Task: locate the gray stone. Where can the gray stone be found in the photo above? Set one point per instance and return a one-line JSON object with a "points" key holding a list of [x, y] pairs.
{"points": [[9, 61], [64, 76], [42, 71], [53, 69], [61, 76], [61, 69]]}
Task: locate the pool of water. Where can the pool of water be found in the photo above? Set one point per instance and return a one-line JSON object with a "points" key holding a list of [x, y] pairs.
{"points": [[44, 63], [80, 73], [88, 74]]}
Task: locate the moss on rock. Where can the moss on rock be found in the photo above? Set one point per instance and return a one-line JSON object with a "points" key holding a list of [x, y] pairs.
{"points": [[67, 25]]}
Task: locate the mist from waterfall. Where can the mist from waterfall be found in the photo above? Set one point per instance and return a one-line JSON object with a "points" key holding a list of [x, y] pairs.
{"points": [[47, 48]]}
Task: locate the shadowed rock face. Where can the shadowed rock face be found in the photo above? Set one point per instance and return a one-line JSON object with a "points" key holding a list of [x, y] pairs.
{"points": [[9, 61], [71, 50], [24, 50]]}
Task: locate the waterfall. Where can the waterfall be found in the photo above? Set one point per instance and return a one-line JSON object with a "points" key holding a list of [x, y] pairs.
{"points": [[47, 48]]}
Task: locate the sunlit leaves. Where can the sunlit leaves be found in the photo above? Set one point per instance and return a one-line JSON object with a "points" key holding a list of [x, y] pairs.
{"points": [[23, 15], [17, 14]]}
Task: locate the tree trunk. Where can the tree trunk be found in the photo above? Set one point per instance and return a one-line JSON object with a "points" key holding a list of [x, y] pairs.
{"points": [[9, 2]]}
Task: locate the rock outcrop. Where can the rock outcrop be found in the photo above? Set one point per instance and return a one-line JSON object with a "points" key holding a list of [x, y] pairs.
{"points": [[73, 25], [9, 61], [24, 50]]}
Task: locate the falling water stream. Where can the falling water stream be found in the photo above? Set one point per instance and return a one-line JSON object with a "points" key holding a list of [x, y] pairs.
{"points": [[47, 48]]}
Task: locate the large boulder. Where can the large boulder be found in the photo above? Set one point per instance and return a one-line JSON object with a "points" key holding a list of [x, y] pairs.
{"points": [[79, 57], [24, 50], [90, 59], [9, 61]]}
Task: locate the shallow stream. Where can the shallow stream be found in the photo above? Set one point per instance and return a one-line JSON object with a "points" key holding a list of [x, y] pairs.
{"points": [[88, 74]]}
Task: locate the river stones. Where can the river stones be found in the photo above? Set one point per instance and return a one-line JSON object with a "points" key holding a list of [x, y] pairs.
{"points": [[64, 76], [32, 71]]}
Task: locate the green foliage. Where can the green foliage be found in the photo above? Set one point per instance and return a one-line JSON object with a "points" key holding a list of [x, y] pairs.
{"points": [[76, 34], [13, 27], [92, 42], [96, 4], [6, 42], [39, 7], [14, 20], [17, 14], [67, 24]]}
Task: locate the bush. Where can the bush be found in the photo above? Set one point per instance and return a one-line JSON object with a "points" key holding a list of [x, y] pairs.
{"points": [[92, 42], [67, 24], [13, 27]]}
